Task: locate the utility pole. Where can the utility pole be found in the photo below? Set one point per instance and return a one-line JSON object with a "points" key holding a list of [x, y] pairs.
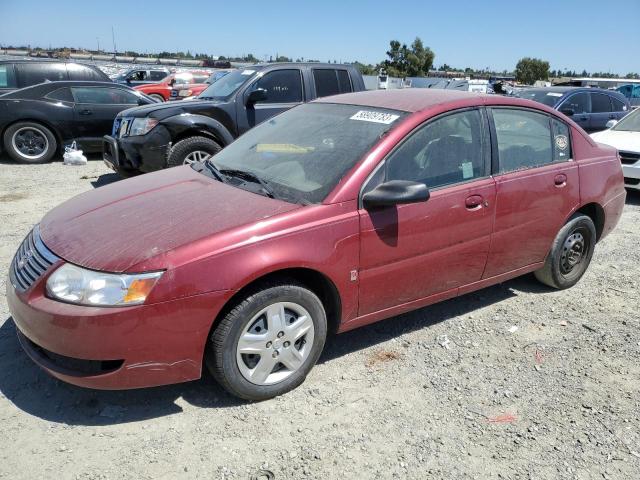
{"points": [[113, 37], [98, 40]]}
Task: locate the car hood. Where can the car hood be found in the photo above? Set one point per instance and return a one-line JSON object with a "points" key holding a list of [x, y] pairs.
{"points": [[625, 141], [121, 225], [168, 109]]}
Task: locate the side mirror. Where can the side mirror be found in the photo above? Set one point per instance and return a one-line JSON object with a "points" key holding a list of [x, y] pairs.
{"points": [[128, 79], [611, 123], [396, 192], [172, 82], [258, 95], [569, 112]]}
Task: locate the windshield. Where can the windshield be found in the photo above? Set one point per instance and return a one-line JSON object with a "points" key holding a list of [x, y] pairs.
{"points": [[226, 86], [541, 96], [303, 153], [629, 123]]}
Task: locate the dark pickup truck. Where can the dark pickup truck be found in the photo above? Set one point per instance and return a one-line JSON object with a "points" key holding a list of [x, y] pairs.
{"points": [[165, 135]]}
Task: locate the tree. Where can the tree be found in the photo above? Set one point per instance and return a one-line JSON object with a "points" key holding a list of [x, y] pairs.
{"points": [[403, 61], [282, 58], [528, 70]]}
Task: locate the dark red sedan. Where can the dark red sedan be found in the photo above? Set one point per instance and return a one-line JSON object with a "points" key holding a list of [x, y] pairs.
{"points": [[330, 216]]}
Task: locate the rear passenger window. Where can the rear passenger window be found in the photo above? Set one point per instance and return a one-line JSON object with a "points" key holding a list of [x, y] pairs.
{"points": [[578, 102], [63, 94], [344, 82], [7, 78], [524, 139], [282, 86], [82, 72], [445, 151], [34, 73], [600, 103], [156, 75], [561, 141], [326, 82]]}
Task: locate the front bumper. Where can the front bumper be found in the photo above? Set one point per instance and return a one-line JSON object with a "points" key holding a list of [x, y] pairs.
{"points": [[632, 176], [115, 348], [145, 153]]}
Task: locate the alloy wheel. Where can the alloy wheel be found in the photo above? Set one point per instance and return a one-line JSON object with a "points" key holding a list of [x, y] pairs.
{"points": [[196, 156], [30, 142]]}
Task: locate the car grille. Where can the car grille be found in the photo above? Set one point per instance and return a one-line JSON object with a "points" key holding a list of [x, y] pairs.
{"points": [[629, 158], [31, 261]]}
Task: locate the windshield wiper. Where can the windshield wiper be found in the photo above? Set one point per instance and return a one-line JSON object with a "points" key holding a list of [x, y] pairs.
{"points": [[215, 173], [251, 177]]}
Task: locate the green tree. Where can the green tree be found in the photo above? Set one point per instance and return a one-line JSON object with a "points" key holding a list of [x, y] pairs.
{"points": [[403, 61], [528, 70]]}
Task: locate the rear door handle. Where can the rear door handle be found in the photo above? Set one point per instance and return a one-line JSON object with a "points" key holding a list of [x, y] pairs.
{"points": [[473, 202], [85, 112], [560, 180]]}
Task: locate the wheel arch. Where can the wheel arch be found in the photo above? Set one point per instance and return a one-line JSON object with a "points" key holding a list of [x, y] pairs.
{"points": [[312, 279], [596, 213], [186, 126]]}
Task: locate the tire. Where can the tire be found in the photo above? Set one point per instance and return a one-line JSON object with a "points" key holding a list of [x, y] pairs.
{"points": [[283, 369], [570, 254], [156, 96], [196, 147], [30, 142]]}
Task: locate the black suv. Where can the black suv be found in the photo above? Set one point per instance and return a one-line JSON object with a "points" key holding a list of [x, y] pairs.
{"points": [[165, 135], [16, 74]]}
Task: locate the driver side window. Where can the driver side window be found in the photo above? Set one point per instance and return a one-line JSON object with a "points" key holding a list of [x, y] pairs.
{"points": [[282, 86], [443, 152]]}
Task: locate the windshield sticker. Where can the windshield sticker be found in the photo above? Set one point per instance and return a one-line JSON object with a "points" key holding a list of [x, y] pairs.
{"points": [[467, 170], [282, 148], [562, 142], [375, 117], [554, 94], [248, 72]]}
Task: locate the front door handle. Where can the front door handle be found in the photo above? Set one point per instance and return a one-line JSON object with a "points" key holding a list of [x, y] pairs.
{"points": [[560, 180], [85, 112], [473, 202]]}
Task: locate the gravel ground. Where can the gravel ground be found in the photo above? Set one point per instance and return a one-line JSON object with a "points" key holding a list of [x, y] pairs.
{"points": [[512, 382]]}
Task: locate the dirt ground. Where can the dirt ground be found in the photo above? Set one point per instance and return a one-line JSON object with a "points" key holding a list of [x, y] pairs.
{"points": [[512, 382]]}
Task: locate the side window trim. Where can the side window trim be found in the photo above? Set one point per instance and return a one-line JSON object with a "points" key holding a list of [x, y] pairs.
{"points": [[75, 99], [495, 154], [569, 97], [486, 150]]}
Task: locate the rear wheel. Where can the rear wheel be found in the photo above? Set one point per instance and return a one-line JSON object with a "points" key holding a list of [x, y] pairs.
{"points": [[157, 97], [269, 342], [192, 149], [30, 142], [570, 253]]}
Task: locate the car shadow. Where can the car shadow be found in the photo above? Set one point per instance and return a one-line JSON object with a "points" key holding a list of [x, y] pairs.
{"points": [[106, 179], [33, 391]]}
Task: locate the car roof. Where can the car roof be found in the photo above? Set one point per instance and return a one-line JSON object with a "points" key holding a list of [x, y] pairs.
{"points": [[301, 64], [45, 60], [407, 99], [40, 89]]}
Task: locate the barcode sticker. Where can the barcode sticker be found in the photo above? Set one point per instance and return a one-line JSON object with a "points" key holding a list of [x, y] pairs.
{"points": [[375, 117]]}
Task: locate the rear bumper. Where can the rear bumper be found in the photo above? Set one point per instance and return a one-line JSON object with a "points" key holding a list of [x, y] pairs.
{"points": [[115, 348], [612, 212], [145, 153]]}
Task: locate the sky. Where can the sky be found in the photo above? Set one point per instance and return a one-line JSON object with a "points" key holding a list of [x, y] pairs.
{"points": [[570, 34]]}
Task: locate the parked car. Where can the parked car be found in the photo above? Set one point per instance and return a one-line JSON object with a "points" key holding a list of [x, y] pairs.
{"points": [[16, 74], [591, 108], [632, 92], [625, 136], [37, 122], [333, 215], [177, 133], [161, 91], [142, 76], [182, 91]]}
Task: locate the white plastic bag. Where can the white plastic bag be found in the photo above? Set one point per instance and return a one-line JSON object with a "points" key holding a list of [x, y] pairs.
{"points": [[73, 156]]}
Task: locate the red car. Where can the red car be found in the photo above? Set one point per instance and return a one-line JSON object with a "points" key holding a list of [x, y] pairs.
{"points": [[182, 91], [161, 91], [330, 216]]}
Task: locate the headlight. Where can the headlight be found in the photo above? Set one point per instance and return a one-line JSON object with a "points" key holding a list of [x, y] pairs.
{"points": [[185, 92], [86, 287], [141, 126]]}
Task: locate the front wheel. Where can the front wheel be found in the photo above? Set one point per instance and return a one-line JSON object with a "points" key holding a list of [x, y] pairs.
{"points": [[192, 149], [269, 342], [570, 253], [157, 97]]}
